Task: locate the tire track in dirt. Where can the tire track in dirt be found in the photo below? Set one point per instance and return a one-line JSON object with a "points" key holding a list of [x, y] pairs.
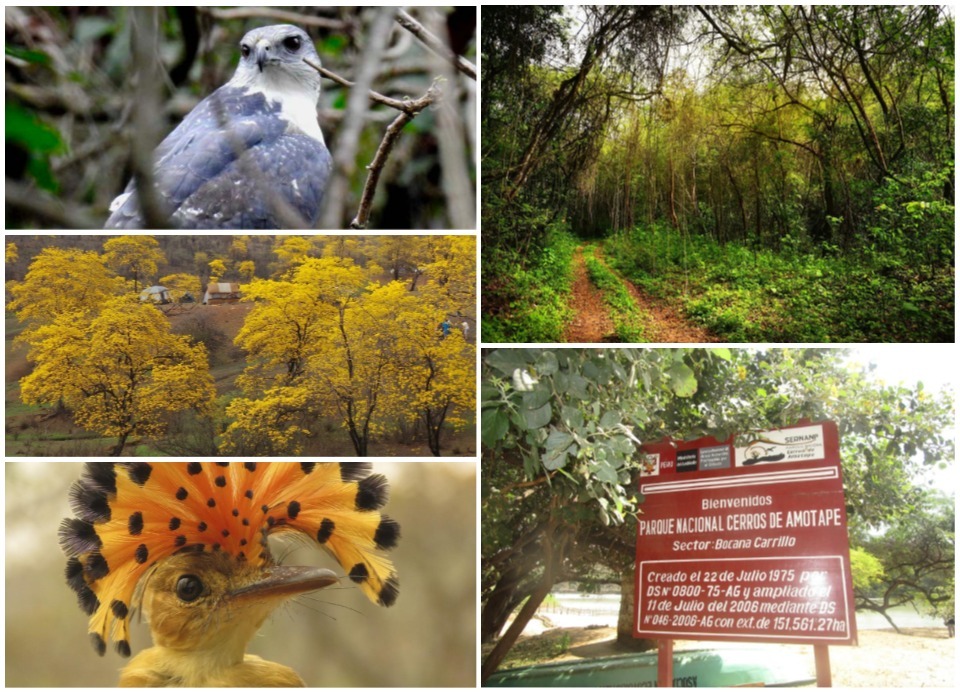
{"points": [[591, 321]]}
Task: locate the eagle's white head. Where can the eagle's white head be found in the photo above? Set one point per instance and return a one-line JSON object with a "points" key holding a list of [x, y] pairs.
{"points": [[272, 63]]}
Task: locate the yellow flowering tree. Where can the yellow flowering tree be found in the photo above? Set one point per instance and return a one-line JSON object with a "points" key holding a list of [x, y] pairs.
{"points": [[134, 256], [61, 282], [329, 341], [121, 372]]}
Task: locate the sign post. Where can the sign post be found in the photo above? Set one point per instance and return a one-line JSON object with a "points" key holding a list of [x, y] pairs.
{"points": [[746, 540]]}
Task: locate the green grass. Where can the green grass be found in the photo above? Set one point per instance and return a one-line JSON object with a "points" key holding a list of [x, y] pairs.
{"points": [[535, 291], [624, 311], [746, 295]]}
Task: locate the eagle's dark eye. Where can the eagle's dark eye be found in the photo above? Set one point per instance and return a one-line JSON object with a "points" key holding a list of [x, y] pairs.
{"points": [[245, 50], [292, 43], [189, 588]]}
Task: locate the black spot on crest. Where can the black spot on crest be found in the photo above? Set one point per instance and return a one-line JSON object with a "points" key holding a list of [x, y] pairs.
{"points": [[372, 493], [211, 503], [248, 494], [202, 526], [99, 645], [359, 573], [389, 592], [194, 467], [182, 494], [141, 554], [78, 537], [89, 603], [139, 472], [95, 567], [245, 521], [387, 534], [354, 470], [222, 463], [293, 509], [119, 609], [221, 481], [250, 465], [307, 467], [180, 541], [264, 508], [225, 533], [326, 530], [174, 524], [243, 542], [135, 524]]}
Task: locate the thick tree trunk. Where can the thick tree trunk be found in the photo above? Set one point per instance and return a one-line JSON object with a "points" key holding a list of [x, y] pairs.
{"points": [[625, 638], [553, 545]]}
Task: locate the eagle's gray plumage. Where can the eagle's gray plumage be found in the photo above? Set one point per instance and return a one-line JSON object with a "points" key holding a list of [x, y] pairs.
{"points": [[247, 151]]}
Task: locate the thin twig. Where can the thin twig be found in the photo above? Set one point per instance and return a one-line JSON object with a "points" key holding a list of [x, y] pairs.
{"points": [[373, 95], [383, 152], [435, 45], [348, 137]]}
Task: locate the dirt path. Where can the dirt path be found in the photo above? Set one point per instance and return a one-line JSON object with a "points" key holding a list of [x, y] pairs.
{"points": [[591, 321], [592, 324]]}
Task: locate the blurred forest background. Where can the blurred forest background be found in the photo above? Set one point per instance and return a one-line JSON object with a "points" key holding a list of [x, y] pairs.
{"points": [[333, 638], [70, 77]]}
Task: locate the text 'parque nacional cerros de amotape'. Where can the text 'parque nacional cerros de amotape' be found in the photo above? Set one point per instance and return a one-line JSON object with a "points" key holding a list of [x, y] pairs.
{"points": [[745, 540]]}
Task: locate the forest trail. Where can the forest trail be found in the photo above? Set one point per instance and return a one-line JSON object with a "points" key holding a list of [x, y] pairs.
{"points": [[592, 323]]}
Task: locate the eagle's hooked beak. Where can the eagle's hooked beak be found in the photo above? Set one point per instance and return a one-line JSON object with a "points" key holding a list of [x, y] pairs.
{"points": [[262, 53]]}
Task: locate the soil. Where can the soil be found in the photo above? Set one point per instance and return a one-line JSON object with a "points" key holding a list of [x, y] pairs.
{"points": [[916, 657], [591, 321], [592, 324]]}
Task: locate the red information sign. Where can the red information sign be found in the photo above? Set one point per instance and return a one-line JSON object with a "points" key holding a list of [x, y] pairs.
{"points": [[745, 540]]}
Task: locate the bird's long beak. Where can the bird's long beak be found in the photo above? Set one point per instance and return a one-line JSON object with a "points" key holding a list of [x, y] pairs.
{"points": [[284, 582], [262, 53]]}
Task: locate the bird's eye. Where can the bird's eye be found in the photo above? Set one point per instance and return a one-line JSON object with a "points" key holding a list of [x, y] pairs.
{"points": [[292, 43], [189, 588], [245, 50]]}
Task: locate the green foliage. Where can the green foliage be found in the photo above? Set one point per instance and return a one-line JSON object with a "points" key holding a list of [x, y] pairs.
{"points": [[38, 140], [526, 296], [799, 296], [865, 569]]}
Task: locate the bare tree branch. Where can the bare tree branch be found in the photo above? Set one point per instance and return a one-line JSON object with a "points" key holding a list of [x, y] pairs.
{"points": [[39, 204], [435, 45], [146, 104], [383, 152], [348, 139], [451, 140]]}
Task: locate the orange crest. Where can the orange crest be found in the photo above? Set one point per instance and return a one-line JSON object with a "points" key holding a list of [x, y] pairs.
{"points": [[132, 515]]}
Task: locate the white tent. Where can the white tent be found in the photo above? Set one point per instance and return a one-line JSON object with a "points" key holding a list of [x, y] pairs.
{"points": [[158, 294]]}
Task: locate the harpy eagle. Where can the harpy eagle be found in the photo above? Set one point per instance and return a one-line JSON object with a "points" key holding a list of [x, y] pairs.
{"points": [[248, 153]]}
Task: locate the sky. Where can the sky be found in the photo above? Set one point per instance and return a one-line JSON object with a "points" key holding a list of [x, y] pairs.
{"points": [[933, 364]]}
